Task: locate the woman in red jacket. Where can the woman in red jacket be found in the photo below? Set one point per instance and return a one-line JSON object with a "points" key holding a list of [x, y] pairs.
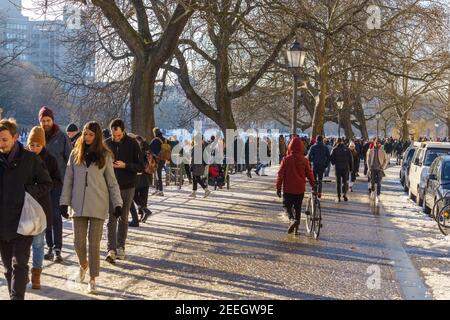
{"points": [[294, 170]]}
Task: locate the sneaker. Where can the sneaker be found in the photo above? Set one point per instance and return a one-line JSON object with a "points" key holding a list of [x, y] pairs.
{"points": [[193, 195], [294, 224], [49, 255], [345, 198], [155, 193], [133, 224], [249, 174], [81, 274], [91, 288], [207, 193], [257, 173], [338, 199], [120, 254], [111, 257], [58, 258], [147, 213]]}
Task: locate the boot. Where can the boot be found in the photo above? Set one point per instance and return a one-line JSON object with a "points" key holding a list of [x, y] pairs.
{"points": [[36, 278]]}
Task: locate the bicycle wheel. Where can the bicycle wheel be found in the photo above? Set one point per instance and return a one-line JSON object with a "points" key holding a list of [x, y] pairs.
{"points": [[317, 216], [309, 221], [443, 220]]}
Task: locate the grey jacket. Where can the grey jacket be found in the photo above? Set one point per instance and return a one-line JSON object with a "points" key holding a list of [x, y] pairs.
{"points": [[60, 147], [88, 191]]}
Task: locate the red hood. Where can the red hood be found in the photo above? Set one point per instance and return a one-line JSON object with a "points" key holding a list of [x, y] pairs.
{"points": [[296, 146]]}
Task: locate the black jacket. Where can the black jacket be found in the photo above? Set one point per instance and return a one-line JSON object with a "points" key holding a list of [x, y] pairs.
{"points": [[342, 158], [25, 172], [45, 201], [319, 156], [128, 151]]}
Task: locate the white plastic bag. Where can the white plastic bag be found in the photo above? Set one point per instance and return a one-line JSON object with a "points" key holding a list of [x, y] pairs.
{"points": [[32, 219]]}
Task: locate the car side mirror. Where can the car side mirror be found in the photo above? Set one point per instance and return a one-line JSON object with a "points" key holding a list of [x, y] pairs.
{"points": [[416, 162], [432, 177]]}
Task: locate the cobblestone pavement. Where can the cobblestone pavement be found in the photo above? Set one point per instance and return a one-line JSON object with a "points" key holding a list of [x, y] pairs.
{"points": [[234, 245]]}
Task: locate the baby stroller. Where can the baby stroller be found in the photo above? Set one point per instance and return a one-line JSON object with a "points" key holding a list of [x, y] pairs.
{"points": [[216, 176]]}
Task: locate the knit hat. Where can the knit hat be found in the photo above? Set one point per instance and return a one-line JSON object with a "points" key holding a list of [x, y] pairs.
{"points": [[37, 135], [72, 128], [46, 112]]}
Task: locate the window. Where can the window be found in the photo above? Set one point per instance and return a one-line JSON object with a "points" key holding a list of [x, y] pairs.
{"points": [[446, 171], [432, 154]]}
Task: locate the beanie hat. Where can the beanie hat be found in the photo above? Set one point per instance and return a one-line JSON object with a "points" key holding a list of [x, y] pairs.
{"points": [[37, 135], [72, 128], [46, 112]]}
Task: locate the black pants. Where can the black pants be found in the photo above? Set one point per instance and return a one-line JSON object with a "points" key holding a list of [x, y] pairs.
{"points": [[187, 169], [15, 255], [293, 202], [318, 176], [140, 199], [341, 182], [198, 179], [159, 183], [353, 176], [375, 178]]}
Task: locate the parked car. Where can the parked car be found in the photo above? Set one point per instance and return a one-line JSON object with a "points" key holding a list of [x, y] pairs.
{"points": [[406, 165], [418, 173], [438, 184]]}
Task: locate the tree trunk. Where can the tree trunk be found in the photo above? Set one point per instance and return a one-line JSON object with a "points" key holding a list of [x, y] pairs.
{"points": [[405, 129], [142, 100], [319, 112], [359, 114]]}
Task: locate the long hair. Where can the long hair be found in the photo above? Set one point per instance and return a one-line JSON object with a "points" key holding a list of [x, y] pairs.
{"points": [[98, 146]]}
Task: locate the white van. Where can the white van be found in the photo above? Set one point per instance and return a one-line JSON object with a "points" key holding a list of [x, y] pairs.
{"points": [[420, 165]]}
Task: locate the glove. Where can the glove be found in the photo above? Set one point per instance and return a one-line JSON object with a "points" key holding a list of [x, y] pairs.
{"points": [[118, 212], [64, 211], [279, 193]]}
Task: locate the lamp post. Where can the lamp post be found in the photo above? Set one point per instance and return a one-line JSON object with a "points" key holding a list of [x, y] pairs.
{"points": [[378, 117], [296, 57], [436, 125], [340, 106]]}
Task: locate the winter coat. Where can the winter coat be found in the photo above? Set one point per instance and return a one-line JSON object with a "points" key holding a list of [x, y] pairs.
{"points": [[356, 160], [382, 158], [89, 191], [294, 170], [282, 147], [51, 165], [319, 156], [197, 168], [341, 157], [60, 147], [25, 172], [128, 151]]}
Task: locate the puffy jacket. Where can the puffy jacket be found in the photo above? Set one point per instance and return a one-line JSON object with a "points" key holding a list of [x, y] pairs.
{"points": [[294, 170], [319, 156], [342, 158], [24, 172]]}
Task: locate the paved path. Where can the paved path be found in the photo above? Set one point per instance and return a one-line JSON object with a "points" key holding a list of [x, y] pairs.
{"points": [[234, 245]]}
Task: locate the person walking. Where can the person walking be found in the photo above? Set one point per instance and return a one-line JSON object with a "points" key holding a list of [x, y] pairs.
{"points": [[156, 148], [198, 165], [282, 147], [90, 186], [128, 162], [355, 166], [36, 144], [291, 178], [141, 193], [342, 159], [377, 161], [59, 146], [319, 157], [73, 133], [20, 171]]}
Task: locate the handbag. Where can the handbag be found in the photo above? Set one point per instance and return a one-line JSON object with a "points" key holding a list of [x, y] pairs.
{"points": [[32, 219]]}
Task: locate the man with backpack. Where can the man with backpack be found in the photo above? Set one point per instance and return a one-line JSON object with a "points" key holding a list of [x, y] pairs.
{"points": [[161, 150], [319, 157], [128, 162]]}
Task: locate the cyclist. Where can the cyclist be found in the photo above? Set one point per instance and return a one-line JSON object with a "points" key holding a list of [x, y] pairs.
{"points": [[319, 156], [294, 170]]}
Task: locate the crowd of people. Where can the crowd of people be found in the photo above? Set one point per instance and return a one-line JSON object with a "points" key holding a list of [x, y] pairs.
{"points": [[96, 176]]}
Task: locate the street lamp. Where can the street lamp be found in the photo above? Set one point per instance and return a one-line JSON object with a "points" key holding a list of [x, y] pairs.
{"points": [[378, 117], [340, 106], [296, 58]]}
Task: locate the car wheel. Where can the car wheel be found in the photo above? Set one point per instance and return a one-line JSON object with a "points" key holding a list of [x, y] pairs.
{"points": [[425, 208], [419, 200]]}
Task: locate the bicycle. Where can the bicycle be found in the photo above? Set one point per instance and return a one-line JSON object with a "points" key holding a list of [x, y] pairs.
{"points": [[314, 213], [442, 216]]}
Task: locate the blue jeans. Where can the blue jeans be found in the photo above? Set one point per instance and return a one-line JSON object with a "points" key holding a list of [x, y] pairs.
{"points": [[54, 236], [38, 250]]}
